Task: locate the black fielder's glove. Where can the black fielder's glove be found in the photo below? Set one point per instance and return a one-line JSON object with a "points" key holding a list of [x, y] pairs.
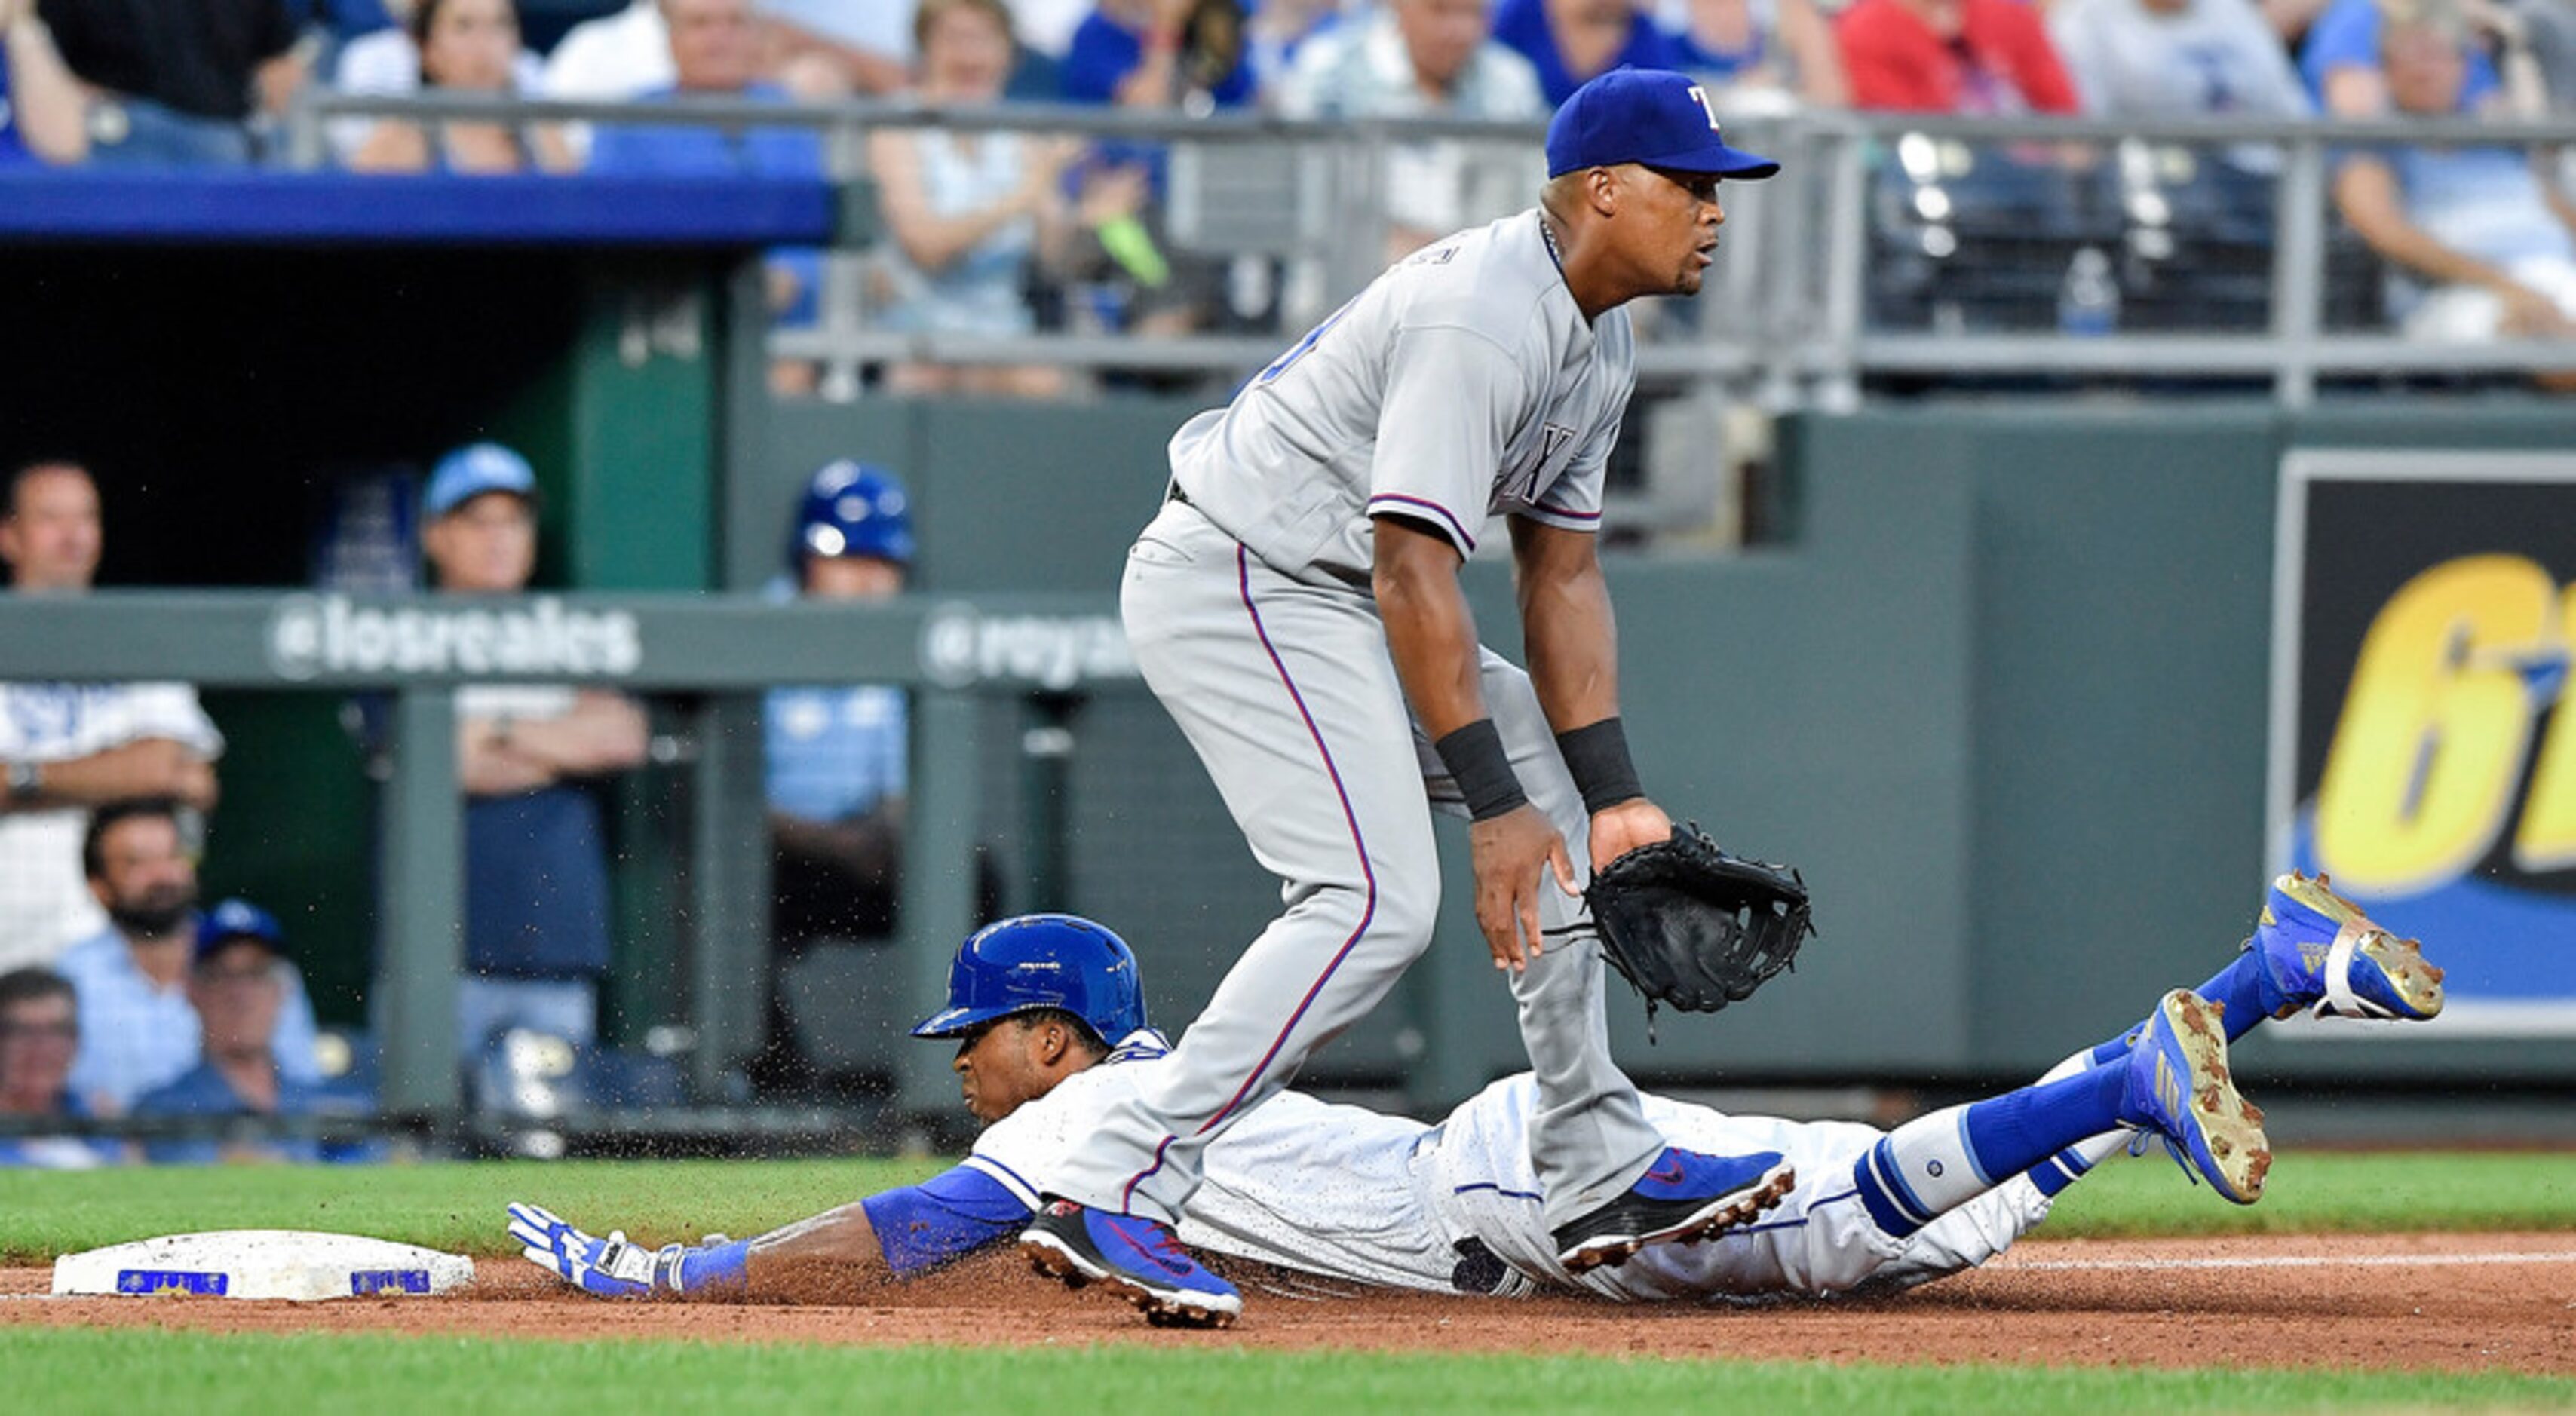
{"points": [[1688, 924]]}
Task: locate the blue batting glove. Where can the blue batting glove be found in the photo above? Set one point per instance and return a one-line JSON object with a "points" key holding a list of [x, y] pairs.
{"points": [[608, 1268]]}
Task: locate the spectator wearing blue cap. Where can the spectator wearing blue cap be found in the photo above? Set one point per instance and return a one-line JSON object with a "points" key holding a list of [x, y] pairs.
{"points": [[837, 754], [237, 985], [536, 868], [137, 1029]]}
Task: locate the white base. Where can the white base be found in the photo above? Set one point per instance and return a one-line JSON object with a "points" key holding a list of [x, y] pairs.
{"points": [[262, 1263]]}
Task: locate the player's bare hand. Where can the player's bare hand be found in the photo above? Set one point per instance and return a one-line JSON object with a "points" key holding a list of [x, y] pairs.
{"points": [[1617, 830], [1509, 852]]}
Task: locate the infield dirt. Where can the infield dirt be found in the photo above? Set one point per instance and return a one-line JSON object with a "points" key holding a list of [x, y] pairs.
{"points": [[2461, 1302]]}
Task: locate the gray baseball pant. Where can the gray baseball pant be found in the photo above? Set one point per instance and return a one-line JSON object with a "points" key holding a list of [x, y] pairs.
{"points": [[1288, 692]]}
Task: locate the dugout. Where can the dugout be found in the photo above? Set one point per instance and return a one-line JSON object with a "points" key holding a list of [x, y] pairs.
{"points": [[232, 352]]}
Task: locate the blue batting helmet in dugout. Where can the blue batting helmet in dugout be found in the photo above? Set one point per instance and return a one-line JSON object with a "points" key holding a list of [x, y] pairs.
{"points": [[1042, 961], [1652, 117], [853, 509]]}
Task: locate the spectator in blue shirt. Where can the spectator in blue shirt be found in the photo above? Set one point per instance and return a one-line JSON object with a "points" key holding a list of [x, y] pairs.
{"points": [[2341, 62], [237, 985], [1182, 57], [42, 117], [1158, 54], [838, 754], [39, 1032], [536, 859], [2492, 246], [1571, 41], [137, 1029], [715, 53]]}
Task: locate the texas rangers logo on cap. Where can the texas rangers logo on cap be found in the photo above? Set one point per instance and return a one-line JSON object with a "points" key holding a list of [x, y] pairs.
{"points": [[1653, 117]]}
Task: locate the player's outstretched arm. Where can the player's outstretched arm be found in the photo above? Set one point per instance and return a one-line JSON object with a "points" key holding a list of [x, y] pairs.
{"points": [[837, 1254]]}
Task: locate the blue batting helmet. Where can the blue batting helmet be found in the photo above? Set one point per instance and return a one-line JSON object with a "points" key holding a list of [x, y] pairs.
{"points": [[1042, 961], [853, 509]]}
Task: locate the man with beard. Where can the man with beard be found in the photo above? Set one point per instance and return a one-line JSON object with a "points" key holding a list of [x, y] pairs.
{"points": [[66, 747], [137, 1029]]}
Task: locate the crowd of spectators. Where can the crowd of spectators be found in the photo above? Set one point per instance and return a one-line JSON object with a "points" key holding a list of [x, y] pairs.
{"points": [[998, 233], [119, 995], [122, 995]]}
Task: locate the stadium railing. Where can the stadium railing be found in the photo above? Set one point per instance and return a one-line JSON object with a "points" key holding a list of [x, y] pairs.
{"points": [[1895, 251]]}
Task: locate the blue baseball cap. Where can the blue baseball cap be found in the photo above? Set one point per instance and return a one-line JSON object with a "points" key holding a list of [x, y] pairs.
{"points": [[472, 470], [238, 919], [1653, 117]]}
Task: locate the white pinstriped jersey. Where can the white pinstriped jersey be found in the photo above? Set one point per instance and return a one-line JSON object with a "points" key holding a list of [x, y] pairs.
{"points": [[1463, 383], [1352, 1194]]}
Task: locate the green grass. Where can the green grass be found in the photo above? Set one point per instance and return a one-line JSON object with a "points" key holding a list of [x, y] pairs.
{"points": [[455, 1207], [2326, 1191], [458, 1207], [60, 1370]]}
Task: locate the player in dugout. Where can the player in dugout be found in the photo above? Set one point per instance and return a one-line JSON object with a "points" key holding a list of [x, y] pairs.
{"points": [[1045, 1006]]}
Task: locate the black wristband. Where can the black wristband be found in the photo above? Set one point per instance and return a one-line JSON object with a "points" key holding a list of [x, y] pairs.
{"points": [[1597, 756], [1483, 771]]}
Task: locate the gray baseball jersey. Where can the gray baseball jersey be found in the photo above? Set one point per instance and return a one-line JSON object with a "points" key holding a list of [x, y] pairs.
{"points": [[1463, 382]]}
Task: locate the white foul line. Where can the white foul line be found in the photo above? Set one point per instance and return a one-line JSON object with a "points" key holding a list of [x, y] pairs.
{"points": [[2296, 1261]]}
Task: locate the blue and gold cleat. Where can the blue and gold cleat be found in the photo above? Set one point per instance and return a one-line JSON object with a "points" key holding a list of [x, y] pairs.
{"points": [[2319, 950], [2178, 1087]]}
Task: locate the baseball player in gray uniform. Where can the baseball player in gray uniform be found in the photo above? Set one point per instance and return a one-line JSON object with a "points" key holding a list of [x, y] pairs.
{"points": [[1296, 607]]}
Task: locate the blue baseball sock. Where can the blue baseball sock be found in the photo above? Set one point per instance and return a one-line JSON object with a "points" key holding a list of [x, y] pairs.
{"points": [[1936, 1163], [2073, 1163], [714, 1268], [2242, 989], [2245, 991]]}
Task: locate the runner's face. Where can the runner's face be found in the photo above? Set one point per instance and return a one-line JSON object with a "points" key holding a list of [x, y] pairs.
{"points": [[998, 1069]]}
